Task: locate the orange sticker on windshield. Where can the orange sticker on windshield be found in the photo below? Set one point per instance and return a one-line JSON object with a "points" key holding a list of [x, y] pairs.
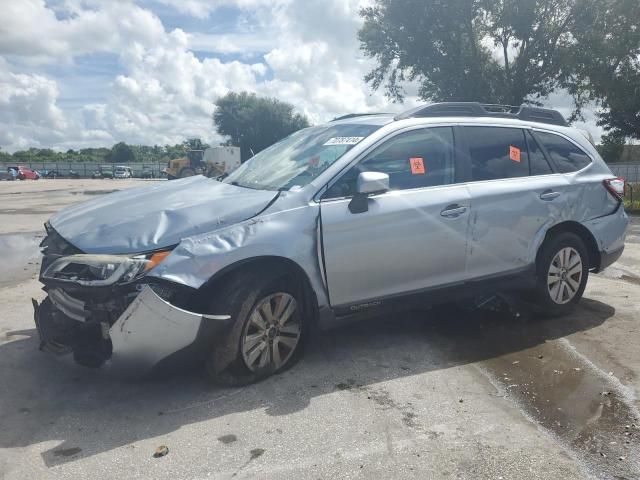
{"points": [[514, 154], [417, 166]]}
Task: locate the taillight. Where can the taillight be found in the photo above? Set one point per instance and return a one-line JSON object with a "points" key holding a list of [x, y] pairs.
{"points": [[615, 186]]}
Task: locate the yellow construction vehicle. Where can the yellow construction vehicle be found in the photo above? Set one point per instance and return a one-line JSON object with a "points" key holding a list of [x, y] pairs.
{"points": [[211, 162]]}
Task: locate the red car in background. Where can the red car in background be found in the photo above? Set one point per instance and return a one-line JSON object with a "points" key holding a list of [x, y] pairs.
{"points": [[24, 173]]}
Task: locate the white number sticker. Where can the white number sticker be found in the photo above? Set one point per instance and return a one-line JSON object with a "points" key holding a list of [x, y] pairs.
{"points": [[344, 140]]}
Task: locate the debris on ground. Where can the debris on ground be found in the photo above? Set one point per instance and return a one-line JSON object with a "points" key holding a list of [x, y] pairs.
{"points": [[161, 451]]}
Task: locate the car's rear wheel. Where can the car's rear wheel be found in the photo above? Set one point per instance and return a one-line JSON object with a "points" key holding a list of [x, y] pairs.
{"points": [[562, 273], [267, 333]]}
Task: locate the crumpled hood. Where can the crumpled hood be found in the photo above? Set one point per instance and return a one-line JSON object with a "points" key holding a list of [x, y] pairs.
{"points": [[155, 216]]}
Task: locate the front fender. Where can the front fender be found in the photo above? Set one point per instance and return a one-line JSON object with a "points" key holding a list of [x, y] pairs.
{"points": [[292, 234]]}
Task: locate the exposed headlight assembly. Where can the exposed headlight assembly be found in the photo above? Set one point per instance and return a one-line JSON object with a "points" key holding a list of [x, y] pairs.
{"points": [[102, 270]]}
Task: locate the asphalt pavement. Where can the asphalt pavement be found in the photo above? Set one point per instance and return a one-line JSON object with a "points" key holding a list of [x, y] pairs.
{"points": [[451, 392]]}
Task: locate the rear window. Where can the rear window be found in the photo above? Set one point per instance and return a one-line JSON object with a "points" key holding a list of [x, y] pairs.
{"points": [[565, 155], [537, 161], [497, 153]]}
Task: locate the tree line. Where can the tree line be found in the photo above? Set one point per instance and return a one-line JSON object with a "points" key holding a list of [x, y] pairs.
{"points": [[511, 52], [120, 153], [493, 51]]}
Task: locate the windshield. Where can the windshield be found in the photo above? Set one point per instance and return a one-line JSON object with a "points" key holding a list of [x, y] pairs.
{"points": [[298, 159]]}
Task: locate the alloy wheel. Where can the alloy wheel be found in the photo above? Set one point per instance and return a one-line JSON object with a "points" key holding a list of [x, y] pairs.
{"points": [[565, 275], [272, 333]]}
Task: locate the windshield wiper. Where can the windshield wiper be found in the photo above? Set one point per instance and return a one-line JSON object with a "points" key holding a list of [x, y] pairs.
{"points": [[252, 187]]}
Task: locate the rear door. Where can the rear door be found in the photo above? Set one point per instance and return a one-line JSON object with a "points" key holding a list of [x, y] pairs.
{"points": [[412, 237], [514, 195]]}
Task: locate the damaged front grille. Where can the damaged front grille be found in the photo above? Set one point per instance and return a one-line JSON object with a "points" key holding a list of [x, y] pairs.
{"points": [[71, 307], [84, 301]]}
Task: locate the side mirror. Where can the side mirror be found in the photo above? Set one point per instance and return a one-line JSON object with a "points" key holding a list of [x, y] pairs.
{"points": [[368, 184], [372, 182]]}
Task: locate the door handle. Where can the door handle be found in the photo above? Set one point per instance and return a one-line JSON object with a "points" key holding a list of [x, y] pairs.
{"points": [[453, 211], [549, 195]]}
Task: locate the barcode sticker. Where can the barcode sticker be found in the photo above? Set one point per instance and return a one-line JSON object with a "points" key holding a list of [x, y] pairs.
{"points": [[344, 140]]}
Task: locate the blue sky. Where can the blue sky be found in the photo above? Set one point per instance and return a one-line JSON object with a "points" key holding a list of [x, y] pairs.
{"points": [[77, 73]]}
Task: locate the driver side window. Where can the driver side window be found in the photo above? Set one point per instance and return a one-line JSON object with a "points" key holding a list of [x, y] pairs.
{"points": [[416, 159]]}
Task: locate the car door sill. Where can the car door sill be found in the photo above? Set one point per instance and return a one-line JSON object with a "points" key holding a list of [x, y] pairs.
{"points": [[519, 279]]}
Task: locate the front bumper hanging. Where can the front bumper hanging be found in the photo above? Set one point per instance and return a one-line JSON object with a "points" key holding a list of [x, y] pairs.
{"points": [[148, 332]]}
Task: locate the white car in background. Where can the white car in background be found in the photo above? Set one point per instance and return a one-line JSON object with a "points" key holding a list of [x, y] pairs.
{"points": [[122, 172]]}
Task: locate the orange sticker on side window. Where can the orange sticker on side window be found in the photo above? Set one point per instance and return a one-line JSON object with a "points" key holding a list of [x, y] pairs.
{"points": [[514, 154], [417, 166]]}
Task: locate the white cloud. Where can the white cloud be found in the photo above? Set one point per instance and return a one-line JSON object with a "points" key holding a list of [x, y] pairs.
{"points": [[31, 29], [28, 110], [303, 52], [204, 8]]}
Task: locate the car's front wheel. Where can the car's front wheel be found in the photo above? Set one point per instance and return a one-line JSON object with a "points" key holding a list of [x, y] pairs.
{"points": [[562, 273], [186, 172], [267, 331]]}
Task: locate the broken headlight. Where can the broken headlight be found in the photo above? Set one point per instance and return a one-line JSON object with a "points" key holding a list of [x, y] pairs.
{"points": [[102, 270]]}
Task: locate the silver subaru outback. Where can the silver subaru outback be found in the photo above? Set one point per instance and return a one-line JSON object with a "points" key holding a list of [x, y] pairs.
{"points": [[366, 214]]}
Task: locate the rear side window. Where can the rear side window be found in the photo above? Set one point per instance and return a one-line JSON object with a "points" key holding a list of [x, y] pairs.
{"points": [[497, 153], [537, 161], [566, 156], [416, 159]]}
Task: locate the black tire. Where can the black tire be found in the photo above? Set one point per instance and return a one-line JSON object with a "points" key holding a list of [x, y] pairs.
{"points": [[186, 172], [239, 298], [543, 295]]}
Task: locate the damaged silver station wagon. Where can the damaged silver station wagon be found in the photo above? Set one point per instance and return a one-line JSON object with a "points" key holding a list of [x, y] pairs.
{"points": [[366, 214]]}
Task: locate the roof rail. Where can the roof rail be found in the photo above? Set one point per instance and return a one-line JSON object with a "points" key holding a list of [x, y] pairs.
{"points": [[353, 115], [476, 109]]}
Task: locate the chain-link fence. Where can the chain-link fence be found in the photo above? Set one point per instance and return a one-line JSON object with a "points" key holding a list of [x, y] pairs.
{"points": [[85, 170], [629, 171]]}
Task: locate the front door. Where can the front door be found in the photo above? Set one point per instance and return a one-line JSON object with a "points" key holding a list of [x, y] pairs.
{"points": [[412, 237]]}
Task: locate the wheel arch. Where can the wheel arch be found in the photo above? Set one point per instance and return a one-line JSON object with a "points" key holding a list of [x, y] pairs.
{"points": [[585, 235], [271, 267]]}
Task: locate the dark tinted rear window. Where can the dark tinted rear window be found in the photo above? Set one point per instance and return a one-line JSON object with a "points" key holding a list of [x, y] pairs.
{"points": [[566, 156], [537, 161], [497, 153]]}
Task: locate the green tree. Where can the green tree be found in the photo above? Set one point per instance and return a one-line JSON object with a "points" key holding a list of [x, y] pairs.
{"points": [[254, 123], [612, 147], [4, 156], [607, 67], [121, 153], [504, 51]]}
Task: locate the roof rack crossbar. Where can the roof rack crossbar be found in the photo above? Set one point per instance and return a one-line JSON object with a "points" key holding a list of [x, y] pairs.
{"points": [[353, 115], [476, 109]]}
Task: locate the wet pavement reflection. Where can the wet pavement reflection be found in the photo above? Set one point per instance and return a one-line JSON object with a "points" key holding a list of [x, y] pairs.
{"points": [[531, 362]]}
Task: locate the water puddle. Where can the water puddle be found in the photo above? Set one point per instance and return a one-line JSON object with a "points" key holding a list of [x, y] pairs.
{"points": [[586, 409], [20, 257], [531, 362]]}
